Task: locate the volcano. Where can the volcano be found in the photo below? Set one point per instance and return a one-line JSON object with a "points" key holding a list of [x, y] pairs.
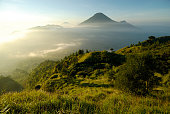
{"points": [[98, 18], [101, 20]]}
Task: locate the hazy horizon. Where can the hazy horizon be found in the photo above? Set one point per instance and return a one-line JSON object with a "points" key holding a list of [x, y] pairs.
{"points": [[17, 15]]}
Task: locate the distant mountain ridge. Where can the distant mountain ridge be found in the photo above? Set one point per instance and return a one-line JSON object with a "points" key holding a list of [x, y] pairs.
{"points": [[47, 27]]}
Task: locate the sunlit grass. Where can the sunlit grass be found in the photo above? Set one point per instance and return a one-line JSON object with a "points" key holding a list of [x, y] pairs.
{"points": [[82, 100]]}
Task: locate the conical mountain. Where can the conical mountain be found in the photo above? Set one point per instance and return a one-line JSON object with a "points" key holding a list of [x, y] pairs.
{"points": [[98, 18]]}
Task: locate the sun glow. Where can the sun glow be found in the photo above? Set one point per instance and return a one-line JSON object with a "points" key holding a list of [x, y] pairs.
{"points": [[13, 36], [12, 21]]}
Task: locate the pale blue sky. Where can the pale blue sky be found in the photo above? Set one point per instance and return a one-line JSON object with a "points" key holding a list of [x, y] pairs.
{"points": [[20, 14], [76, 10]]}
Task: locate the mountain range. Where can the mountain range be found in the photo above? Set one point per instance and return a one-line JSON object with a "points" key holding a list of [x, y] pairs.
{"points": [[98, 20]]}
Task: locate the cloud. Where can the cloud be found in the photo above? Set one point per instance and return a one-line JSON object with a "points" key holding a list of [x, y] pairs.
{"points": [[66, 44], [32, 54], [61, 46], [43, 53], [50, 50]]}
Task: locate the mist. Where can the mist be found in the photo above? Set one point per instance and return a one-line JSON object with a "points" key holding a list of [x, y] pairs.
{"points": [[54, 42]]}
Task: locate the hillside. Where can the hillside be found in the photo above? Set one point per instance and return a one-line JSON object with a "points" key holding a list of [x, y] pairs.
{"points": [[87, 64], [157, 45], [134, 79], [71, 68]]}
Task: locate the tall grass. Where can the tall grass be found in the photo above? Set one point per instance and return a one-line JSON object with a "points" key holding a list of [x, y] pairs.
{"points": [[91, 101], [43, 102]]}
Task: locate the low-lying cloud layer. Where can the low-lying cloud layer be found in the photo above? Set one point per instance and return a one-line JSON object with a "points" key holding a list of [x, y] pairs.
{"points": [[59, 47], [56, 42]]}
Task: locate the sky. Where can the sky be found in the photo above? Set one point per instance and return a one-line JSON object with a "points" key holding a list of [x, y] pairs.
{"points": [[17, 15]]}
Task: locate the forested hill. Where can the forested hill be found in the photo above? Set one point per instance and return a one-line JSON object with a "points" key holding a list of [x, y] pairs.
{"points": [[141, 64]]}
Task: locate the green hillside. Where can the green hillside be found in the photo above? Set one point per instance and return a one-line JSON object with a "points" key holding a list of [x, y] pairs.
{"points": [[134, 79], [157, 46], [52, 75], [80, 65]]}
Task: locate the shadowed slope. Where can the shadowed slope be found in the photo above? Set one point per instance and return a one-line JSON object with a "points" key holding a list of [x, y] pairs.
{"points": [[8, 85]]}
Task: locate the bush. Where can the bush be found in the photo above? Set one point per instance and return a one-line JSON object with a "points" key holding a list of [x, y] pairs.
{"points": [[137, 74]]}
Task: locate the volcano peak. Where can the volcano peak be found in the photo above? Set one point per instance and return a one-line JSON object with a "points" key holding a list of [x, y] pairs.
{"points": [[98, 18]]}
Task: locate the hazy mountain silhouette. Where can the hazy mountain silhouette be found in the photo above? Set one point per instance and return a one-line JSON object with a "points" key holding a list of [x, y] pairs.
{"points": [[101, 20], [7, 85], [47, 27]]}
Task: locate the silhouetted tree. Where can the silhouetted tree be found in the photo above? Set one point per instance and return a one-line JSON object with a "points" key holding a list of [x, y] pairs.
{"points": [[151, 38], [80, 51], [139, 43], [131, 45], [111, 49], [87, 51]]}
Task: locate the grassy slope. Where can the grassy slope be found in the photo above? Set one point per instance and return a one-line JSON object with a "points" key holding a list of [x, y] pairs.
{"points": [[86, 95], [82, 100], [158, 48]]}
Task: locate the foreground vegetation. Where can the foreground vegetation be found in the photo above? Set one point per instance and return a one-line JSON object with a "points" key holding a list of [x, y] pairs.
{"points": [[134, 79], [82, 100]]}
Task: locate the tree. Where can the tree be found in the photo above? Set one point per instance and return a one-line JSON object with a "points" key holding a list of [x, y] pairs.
{"points": [[87, 51], [137, 74], [80, 51], [111, 49], [151, 38], [131, 45], [139, 43]]}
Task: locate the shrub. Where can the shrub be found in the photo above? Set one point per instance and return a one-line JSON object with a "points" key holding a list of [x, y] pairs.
{"points": [[137, 74]]}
